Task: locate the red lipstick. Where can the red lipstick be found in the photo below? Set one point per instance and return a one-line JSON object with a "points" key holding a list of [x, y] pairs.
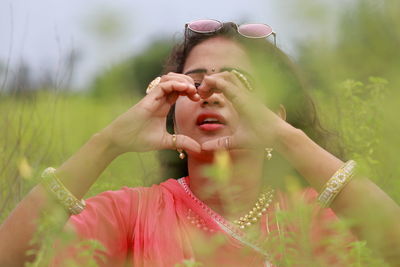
{"points": [[210, 121]]}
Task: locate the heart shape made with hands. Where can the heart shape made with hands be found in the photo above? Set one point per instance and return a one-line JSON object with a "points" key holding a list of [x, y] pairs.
{"points": [[233, 87], [260, 123]]}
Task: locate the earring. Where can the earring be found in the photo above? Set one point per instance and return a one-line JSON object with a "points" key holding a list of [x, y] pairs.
{"points": [[180, 151], [269, 152], [181, 154]]}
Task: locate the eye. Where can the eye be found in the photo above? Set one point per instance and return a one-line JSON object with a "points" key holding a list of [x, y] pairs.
{"points": [[197, 84]]}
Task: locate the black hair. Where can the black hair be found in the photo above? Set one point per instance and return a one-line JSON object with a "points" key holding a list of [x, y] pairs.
{"points": [[293, 93]]}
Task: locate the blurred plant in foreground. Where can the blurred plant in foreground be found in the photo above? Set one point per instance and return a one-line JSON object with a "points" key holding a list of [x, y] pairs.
{"points": [[355, 81]]}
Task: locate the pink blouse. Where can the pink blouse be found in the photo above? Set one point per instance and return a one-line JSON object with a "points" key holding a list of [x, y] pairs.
{"points": [[166, 225]]}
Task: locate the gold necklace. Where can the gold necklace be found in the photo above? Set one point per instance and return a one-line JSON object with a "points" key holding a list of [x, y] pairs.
{"points": [[261, 206]]}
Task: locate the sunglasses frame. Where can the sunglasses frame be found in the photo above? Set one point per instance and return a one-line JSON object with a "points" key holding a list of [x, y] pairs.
{"points": [[223, 24]]}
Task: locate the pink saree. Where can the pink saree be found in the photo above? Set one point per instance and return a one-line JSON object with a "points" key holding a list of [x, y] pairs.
{"points": [[166, 225]]}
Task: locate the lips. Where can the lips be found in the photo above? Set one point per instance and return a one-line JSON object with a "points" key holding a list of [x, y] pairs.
{"points": [[210, 121], [210, 117]]}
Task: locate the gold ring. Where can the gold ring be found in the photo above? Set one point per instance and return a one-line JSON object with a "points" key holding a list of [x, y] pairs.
{"points": [[174, 140], [243, 79], [227, 142], [153, 84]]}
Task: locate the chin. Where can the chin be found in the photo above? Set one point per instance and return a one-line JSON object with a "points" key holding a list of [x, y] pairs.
{"points": [[205, 156]]}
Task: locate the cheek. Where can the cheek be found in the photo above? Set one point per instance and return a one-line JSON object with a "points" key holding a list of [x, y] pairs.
{"points": [[184, 111]]}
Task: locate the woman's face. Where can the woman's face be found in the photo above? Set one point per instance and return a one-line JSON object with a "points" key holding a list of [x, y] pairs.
{"points": [[215, 116]]}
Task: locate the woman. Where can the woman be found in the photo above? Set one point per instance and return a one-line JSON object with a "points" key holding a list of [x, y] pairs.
{"points": [[208, 98]]}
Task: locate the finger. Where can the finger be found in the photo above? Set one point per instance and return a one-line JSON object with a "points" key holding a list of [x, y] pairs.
{"points": [[242, 84], [180, 87], [182, 78], [168, 87], [218, 84], [237, 78], [212, 85], [165, 94], [181, 142], [196, 97], [222, 143], [179, 76]]}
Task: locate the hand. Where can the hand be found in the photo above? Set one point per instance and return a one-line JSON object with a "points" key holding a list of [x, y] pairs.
{"points": [[264, 124], [143, 126]]}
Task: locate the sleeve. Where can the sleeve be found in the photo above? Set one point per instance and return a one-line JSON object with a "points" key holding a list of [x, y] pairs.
{"points": [[108, 219]]}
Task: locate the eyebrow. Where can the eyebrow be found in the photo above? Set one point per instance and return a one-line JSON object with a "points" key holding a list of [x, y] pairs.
{"points": [[196, 71], [221, 70]]}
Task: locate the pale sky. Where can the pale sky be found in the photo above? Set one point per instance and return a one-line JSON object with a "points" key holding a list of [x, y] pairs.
{"points": [[41, 32]]}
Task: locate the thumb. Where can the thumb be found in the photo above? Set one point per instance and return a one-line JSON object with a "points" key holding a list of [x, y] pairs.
{"points": [[222, 143], [181, 142]]}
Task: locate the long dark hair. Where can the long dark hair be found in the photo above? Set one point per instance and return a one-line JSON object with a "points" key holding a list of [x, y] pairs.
{"points": [[293, 93]]}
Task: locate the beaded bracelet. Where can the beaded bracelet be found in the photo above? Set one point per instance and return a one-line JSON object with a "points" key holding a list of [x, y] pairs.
{"points": [[336, 183], [63, 195]]}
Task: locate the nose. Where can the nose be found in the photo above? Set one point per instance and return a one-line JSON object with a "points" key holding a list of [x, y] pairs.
{"points": [[213, 100]]}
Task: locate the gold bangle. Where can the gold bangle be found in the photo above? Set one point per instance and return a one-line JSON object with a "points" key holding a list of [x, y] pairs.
{"points": [[63, 195], [336, 183]]}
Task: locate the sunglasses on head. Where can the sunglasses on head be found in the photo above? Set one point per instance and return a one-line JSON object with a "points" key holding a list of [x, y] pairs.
{"points": [[209, 26]]}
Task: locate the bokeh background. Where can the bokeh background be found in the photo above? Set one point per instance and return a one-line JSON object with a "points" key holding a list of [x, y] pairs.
{"points": [[67, 68]]}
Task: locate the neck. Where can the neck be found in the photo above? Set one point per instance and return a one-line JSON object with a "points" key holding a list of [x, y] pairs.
{"points": [[237, 194]]}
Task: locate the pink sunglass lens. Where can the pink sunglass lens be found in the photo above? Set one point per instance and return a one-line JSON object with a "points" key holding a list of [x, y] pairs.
{"points": [[255, 30], [204, 26]]}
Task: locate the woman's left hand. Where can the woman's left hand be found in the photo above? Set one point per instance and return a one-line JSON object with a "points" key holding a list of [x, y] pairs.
{"points": [[264, 124]]}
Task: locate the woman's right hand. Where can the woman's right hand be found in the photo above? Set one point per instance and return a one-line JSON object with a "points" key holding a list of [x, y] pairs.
{"points": [[143, 126]]}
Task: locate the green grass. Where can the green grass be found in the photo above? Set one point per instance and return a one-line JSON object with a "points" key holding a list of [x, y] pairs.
{"points": [[45, 129]]}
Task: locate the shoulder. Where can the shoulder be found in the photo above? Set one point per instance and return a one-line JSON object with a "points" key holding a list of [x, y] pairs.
{"points": [[128, 196], [122, 206], [121, 197]]}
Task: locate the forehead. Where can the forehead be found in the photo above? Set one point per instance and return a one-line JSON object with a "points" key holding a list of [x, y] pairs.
{"points": [[217, 53]]}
